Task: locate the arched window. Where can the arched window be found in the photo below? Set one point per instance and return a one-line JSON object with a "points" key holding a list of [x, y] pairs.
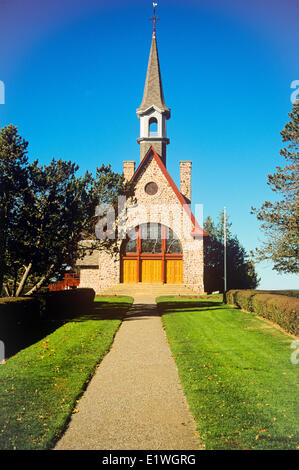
{"points": [[153, 238], [153, 127]]}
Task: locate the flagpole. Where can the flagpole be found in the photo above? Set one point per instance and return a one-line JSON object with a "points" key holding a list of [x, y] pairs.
{"points": [[224, 235]]}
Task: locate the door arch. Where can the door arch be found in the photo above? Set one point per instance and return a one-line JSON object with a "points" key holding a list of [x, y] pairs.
{"points": [[154, 254]]}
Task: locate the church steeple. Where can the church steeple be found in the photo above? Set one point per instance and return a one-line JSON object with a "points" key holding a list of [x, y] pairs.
{"points": [[153, 90], [153, 112]]}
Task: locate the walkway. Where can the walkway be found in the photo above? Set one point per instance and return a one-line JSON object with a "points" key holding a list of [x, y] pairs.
{"points": [[135, 400]]}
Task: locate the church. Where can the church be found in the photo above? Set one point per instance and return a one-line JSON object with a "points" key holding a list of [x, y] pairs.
{"points": [[167, 246]]}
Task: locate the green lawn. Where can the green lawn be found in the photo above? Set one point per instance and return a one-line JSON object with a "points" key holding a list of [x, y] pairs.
{"points": [[39, 385], [237, 375]]}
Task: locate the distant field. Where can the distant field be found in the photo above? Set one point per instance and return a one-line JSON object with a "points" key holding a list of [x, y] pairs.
{"points": [[290, 293]]}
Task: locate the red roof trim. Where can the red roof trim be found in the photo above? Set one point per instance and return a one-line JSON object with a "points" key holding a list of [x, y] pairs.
{"points": [[197, 230]]}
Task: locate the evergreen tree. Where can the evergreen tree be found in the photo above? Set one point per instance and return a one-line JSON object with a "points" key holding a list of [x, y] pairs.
{"points": [[46, 212], [280, 220], [13, 188], [240, 270]]}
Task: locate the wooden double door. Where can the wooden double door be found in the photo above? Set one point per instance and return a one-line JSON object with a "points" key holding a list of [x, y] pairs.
{"points": [[152, 270], [153, 255]]}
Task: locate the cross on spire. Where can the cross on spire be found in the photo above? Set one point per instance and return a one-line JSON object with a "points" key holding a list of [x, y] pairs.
{"points": [[154, 18]]}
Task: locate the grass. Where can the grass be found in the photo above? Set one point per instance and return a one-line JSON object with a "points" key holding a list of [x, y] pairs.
{"points": [[39, 385], [237, 375]]}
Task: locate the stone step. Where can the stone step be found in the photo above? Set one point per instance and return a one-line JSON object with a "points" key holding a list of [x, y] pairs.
{"points": [[153, 289]]}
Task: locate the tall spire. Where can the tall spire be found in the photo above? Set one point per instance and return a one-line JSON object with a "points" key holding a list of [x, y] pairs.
{"points": [[153, 90], [153, 112]]}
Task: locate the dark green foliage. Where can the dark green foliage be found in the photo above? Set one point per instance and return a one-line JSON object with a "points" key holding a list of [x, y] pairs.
{"points": [[240, 270], [13, 185], [22, 311], [62, 304], [280, 220], [279, 309]]}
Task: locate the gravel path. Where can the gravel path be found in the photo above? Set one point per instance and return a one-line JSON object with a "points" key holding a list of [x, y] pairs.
{"points": [[135, 400]]}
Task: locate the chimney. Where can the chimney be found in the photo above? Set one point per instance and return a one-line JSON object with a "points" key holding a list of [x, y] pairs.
{"points": [[129, 170], [185, 180]]}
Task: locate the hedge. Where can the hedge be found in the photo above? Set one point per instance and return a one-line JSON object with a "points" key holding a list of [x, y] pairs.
{"points": [[277, 308], [68, 302], [22, 311], [25, 311]]}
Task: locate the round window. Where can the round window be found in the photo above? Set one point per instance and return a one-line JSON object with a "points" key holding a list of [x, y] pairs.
{"points": [[151, 188]]}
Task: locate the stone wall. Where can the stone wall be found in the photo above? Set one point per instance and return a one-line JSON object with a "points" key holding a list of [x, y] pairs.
{"points": [[185, 179], [103, 276], [89, 277]]}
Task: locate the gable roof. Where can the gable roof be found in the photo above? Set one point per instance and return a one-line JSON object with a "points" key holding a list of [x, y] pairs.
{"points": [[197, 230]]}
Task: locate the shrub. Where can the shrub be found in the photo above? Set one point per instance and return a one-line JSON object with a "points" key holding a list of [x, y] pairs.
{"points": [[69, 302], [243, 299], [231, 297], [19, 311], [277, 308], [280, 309]]}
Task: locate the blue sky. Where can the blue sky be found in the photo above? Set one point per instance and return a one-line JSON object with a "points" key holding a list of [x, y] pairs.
{"points": [[74, 74]]}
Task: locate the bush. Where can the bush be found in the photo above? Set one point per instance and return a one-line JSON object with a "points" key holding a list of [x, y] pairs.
{"points": [[63, 303], [280, 309], [22, 311], [243, 299], [231, 297], [277, 308]]}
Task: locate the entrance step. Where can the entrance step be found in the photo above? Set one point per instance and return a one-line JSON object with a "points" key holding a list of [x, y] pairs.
{"points": [[148, 289]]}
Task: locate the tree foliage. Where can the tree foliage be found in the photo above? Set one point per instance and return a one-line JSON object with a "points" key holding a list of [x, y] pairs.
{"points": [[280, 220], [240, 270], [45, 213]]}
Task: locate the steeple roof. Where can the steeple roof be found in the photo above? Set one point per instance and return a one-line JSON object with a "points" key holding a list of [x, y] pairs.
{"points": [[153, 91]]}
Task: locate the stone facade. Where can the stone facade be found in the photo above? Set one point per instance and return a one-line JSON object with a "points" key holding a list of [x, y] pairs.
{"points": [[164, 208]]}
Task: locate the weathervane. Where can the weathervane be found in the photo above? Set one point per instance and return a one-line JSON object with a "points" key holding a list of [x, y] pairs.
{"points": [[154, 18]]}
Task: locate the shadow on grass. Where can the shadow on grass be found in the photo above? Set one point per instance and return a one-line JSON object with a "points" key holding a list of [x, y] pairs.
{"points": [[18, 337], [176, 306], [104, 310], [21, 337], [139, 311]]}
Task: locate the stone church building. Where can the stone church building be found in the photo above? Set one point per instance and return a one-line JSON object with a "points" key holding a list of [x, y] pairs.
{"points": [[167, 245]]}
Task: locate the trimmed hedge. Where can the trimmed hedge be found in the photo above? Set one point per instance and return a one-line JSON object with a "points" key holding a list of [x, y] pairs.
{"points": [[277, 308], [26, 311], [60, 304], [22, 311]]}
